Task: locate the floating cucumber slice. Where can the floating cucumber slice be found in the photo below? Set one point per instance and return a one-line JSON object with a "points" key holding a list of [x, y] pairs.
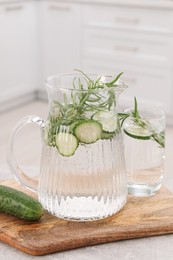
{"points": [[66, 143], [138, 132], [108, 120], [88, 131]]}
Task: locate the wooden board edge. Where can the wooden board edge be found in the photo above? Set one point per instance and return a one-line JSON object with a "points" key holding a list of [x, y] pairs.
{"points": [[79, 243]]}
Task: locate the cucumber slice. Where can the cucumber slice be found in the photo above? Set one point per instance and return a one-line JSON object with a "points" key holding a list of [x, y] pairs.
{"points": [[66, 143], [138, 132], [108, 121], [88, 131]]}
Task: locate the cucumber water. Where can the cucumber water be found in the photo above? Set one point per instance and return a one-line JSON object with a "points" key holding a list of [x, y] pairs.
{"points": [[84, 117]]}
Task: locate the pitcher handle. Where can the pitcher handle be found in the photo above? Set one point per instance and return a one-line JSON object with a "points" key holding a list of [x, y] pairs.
{"points": [[19, 175]]}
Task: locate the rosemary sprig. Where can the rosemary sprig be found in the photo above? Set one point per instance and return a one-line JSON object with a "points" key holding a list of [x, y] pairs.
{"points": [[159, 138], [80, 102], [141, 122], [89, 99], [110, 84]]}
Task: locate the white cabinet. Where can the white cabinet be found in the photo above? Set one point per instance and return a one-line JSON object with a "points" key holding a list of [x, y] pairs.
{"points": [[60, 37], [42, 38], [135, 40], [18, 50]]}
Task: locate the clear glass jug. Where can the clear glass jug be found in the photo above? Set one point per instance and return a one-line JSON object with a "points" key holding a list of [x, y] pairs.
{"points": [[82, 170]]}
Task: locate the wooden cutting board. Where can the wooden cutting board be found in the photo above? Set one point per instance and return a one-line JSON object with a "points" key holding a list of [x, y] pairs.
{"points": [[141, 217]]}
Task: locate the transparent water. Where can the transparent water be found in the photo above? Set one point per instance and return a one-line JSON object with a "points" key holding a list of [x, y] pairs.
{"points": [[145, 166], [89, 185]]}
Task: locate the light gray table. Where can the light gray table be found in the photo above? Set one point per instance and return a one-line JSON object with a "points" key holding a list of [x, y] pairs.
{"points": [[152, 248]]}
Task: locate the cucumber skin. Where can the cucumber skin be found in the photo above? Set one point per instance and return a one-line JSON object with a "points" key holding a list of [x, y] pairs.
{"points": [[59, 149], [102, 122], [137, 137], [107, 135], [88, 121], [19, 204]]}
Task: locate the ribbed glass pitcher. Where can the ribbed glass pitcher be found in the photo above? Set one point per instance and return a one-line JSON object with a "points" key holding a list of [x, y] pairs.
{"points": [[82, 170]]}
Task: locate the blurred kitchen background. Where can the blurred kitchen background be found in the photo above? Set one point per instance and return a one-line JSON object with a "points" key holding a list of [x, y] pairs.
{"points": [[39, 38]]}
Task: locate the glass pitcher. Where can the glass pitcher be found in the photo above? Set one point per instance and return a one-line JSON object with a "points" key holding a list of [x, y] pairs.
{"points": [[82, 170]]}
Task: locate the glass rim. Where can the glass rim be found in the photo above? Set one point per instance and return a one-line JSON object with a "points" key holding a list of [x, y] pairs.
{"points": [[117, 87], [154, 113]]}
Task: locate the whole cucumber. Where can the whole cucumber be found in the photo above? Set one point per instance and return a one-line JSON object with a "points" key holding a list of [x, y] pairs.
{"points": [[19, 204]]}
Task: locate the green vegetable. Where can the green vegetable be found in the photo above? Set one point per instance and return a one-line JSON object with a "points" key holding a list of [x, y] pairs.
{"points": [[79, 106], [81, 103], [107, 119], [19, 204], [106, 135], [138, 132], [88, 131], [66, 143], [142, 125]]}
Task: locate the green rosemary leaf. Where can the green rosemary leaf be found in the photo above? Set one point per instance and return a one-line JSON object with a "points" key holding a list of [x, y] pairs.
{"points": [[93, 108], [123, 119], [83, 74], [84, 98], [123, 114], [110, 84], [159, 138], [89, 84], [80, 86], [96, 83], [135, 111], [74, 83], [111, 100]]}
